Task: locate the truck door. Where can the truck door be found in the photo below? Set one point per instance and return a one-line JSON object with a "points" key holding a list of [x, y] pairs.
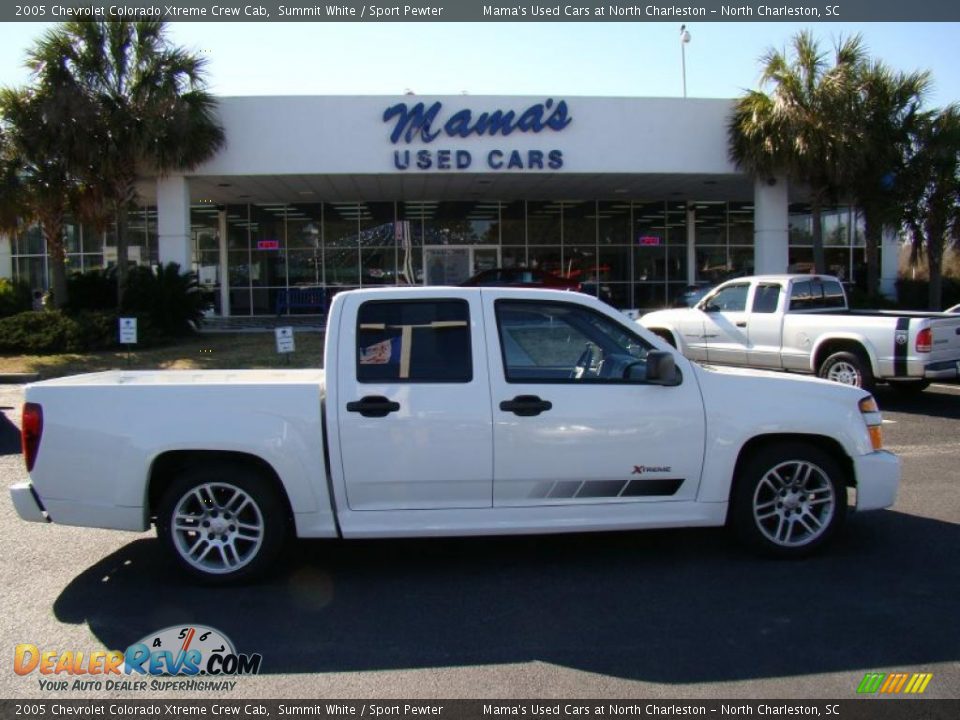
{"points": [[414, 403], [725, 324], [568, 427], [764, 326]]}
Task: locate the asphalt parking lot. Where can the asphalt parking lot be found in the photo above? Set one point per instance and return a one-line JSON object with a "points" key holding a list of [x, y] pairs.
{"points": [[666, 614]]}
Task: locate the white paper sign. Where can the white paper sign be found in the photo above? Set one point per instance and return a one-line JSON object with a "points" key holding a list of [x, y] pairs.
{"points": [[285, 342], [128, 331]]}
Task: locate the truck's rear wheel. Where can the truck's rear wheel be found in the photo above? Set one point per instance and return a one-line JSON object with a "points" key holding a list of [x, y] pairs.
{"points": [[222, 522], [789, 500], [847, 368]]}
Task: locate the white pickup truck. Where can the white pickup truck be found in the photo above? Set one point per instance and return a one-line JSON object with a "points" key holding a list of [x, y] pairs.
{"points": [[452, 411], [802, 323]]}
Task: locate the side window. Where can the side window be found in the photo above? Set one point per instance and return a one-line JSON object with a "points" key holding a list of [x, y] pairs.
{"points": [[833, 295], [800, 296], [416, 341], [561, 342], [765, 298], [732, 298]]}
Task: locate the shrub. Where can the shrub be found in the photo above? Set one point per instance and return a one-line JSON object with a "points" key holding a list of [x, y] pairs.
{"points": [[40, 332], [54, 331], [92, 290], [15, 297], [914, 294], [169, 300]]}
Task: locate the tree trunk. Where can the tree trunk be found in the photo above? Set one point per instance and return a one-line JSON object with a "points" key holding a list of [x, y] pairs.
{"points": [[819, 260], [52, 226], [122, 264], [873, 235], [935, 233], [124, 198]]}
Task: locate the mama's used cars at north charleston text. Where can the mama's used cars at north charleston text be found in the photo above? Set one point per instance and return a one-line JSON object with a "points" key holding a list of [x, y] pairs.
{"points": [[453, 411]]}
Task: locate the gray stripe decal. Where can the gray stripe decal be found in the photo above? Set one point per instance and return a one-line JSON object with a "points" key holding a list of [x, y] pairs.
{"points": [[901, 346], [584, 489]]}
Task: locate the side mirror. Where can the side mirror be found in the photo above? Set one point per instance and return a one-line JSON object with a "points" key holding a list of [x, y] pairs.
{"points": [[661, 368]]}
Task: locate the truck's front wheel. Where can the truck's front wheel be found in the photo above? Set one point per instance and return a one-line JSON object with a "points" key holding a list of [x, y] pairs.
{"points": [[788, 500], [222, 522]]}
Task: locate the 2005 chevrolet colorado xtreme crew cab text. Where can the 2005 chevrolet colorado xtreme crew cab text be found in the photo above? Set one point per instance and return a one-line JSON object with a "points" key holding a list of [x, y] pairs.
{"points": [[452, 411]]}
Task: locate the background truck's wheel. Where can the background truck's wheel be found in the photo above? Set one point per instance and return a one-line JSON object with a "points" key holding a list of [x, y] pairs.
{"points": [[222, 522], [788, 500], [848, 368]]}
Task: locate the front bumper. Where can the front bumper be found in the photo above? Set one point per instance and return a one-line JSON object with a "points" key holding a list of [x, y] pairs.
{"points": [[27, 503], [878, 477]]}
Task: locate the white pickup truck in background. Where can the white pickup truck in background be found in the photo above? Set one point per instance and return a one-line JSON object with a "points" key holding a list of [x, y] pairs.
{"points": [[452, 411], [802, 323]]}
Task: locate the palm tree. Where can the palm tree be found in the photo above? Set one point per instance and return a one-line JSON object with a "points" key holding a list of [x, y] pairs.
{"points": [[797, 127], [42, 141], [885, 111], [154, 114], [930, 186]]}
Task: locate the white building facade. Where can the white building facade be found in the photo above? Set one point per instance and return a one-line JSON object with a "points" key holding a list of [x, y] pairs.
{"points": [[635, 197]]}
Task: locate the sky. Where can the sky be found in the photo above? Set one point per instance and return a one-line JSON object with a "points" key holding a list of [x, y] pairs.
{"points": [[546, 59]]}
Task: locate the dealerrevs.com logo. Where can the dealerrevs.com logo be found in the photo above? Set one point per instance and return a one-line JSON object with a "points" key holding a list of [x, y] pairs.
{"points": [[894, 683], [181, 651]]}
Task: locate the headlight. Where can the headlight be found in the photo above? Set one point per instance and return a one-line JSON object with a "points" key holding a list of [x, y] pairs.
{"points": [[874, 421]]}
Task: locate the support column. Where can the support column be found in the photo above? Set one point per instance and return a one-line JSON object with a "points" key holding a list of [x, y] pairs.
{"points": [[691, 245], [889, 263], [173, 221], [771, 234], [6, 257], [224, 264]]}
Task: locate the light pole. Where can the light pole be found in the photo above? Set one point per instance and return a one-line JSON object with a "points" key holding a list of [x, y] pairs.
{"points": [[684, 39]]}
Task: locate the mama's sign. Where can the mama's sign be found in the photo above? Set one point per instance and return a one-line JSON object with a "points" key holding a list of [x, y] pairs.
{"points": [[419, 123]]}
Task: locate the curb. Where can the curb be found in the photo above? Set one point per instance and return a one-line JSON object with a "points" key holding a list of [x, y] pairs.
{"points": [[18, 378]]}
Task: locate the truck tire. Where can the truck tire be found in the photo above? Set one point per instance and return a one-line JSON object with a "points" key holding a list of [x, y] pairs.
{"points": [[788, 500], [222, 522], [848, 368]]}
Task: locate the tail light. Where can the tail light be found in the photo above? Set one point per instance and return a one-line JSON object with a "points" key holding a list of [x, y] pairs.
{"points": [[925, 340], [31, 430]]}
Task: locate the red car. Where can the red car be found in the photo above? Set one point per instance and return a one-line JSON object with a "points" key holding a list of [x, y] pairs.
{"points": [[521, 277]]}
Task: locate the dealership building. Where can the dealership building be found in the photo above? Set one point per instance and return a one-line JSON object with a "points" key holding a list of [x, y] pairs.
{"points": [[634, 197]]}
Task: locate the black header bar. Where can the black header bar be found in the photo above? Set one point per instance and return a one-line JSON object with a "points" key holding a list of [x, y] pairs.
{"points": [[681, 11]]}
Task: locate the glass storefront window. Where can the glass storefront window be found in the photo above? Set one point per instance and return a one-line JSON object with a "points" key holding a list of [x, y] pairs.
{"points": [[613, 223], [545, 258], [677, 223], [543, 223], [711, 221], [579, 224], [462, 223], [513, 223], [649, 263], [740, 223], [628, 252]]}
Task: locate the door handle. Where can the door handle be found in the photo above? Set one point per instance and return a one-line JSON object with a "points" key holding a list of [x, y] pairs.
{"points": [[373, 406], [742, 323], [526, 405]]}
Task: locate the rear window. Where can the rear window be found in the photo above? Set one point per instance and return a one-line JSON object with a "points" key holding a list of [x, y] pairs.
{"points": [[817, 294], [417, 341]]}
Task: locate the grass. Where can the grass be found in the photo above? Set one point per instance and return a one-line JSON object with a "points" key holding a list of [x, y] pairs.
{"points": [[199, 352]]}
